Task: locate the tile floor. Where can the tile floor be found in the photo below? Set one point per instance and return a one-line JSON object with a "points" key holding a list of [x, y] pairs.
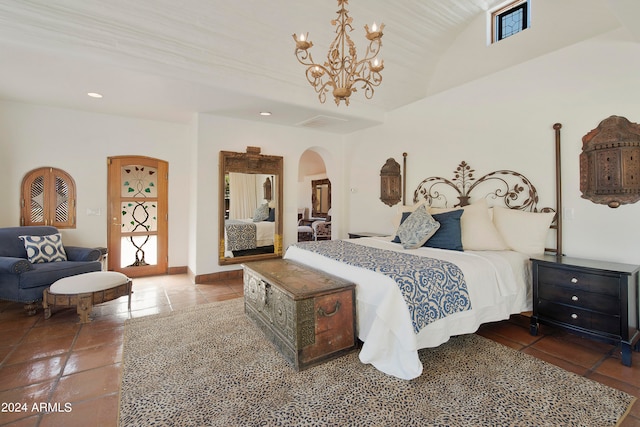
{"points": [[73, 370]]}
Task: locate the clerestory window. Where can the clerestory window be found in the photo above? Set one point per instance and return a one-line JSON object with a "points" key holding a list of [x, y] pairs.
{"points": [[510, 19]]}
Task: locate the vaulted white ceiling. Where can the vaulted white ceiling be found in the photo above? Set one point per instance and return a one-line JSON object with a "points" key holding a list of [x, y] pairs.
{"points": [[166, 59]]}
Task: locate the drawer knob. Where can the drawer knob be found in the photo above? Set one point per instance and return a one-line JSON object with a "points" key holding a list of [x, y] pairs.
{"points": [[574, 316], [574, 298], [574, 280]]}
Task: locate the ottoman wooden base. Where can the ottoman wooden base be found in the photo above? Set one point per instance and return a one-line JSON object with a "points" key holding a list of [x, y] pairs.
{"points": [[84, 301]]}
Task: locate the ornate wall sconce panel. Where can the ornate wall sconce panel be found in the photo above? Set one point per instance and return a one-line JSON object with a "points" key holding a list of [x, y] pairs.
{"points": [[390, 183], [610, 163]]}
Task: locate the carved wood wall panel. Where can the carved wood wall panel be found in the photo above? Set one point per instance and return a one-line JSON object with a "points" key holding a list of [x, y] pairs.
{"points": [[610, 163], [390, 183]]}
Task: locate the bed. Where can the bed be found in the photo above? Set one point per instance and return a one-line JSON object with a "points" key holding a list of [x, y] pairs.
{"points": [[452, 285]]}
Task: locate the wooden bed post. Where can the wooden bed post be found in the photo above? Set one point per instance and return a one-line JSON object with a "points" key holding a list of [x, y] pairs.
{"points": [[557, 128], [404, 179]]}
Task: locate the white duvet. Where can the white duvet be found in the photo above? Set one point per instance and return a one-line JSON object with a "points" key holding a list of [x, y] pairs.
{"points": [[498, 285]]}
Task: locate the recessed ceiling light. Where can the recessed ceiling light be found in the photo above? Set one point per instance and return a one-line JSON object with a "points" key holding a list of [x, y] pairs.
{"points": [[265, 113], [94, 95]]}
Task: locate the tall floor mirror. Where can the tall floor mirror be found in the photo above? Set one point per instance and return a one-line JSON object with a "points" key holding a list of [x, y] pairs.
{"points": [[320, 198], [250, 206]]}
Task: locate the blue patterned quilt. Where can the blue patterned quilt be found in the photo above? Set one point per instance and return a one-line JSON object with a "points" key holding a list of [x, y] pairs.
{"points": [[432, 288], [240, 235]]}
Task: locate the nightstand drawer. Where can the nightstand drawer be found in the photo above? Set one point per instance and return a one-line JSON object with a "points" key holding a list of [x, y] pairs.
{"points": [[597, 283], [597, 299], [580, 299], [575, 316]]}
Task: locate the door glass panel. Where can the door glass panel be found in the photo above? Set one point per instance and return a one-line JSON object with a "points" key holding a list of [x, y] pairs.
{"points": [[139, 181], [138, 251], [139, 216]]}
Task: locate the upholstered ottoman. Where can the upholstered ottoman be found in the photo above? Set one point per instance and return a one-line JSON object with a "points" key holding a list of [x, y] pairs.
{"points": [[85, 290]]}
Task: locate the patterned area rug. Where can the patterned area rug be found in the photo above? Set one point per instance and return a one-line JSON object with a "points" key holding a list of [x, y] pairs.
{"points": [[211, 366]]}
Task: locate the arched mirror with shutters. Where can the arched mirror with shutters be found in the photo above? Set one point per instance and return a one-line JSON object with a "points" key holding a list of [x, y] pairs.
{"points": [[48, 197]]}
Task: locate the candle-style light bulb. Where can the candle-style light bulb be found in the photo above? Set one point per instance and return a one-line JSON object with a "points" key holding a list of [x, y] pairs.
{"points": [[301, 41]]}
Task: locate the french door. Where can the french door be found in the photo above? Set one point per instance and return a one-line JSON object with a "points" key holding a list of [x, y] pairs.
{"points": [[137, 231]]}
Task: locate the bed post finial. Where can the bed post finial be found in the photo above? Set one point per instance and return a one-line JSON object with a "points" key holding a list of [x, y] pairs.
{"points": [[404, 179]]}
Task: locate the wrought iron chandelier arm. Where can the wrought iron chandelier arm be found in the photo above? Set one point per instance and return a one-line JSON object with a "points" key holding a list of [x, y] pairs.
{"points": [[315, 78]]}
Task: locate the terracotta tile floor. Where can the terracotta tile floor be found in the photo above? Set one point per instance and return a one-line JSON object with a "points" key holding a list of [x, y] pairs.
{"points": [[74, 370]]}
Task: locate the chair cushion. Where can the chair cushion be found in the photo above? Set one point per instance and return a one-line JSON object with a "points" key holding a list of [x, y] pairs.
{"points": [[88, 282], [45, 273]]}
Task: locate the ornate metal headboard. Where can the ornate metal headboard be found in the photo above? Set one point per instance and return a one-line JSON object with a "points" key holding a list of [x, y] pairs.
{"points": [[502, 187], [505, 187]]}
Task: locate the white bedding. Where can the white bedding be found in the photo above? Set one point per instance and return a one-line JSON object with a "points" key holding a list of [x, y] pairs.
{"points": [[498, 285]]}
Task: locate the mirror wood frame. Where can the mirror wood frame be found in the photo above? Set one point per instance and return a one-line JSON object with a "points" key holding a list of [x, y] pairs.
{"points": [[251, 162], [314, 199]]}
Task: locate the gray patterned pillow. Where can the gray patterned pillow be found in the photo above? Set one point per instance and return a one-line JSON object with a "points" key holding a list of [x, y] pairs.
{"points": [[44, 248], [261, 213], [417, 228]]}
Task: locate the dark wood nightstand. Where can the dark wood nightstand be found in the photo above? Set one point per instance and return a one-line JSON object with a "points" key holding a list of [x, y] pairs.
{"points": [[365, 234], [595, 299]]}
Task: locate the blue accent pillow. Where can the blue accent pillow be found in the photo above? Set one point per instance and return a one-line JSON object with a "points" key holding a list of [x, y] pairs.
{"points": [[417, 228], [44, 248], [272, 215], [448, 236]]}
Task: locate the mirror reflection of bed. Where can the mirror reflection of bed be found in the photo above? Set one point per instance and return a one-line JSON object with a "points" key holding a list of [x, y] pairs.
{"points": [[250, 224], [250, 206]]}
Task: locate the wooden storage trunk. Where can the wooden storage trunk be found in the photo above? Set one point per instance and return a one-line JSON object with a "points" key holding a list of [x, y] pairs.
{"points": [[307, 314]]}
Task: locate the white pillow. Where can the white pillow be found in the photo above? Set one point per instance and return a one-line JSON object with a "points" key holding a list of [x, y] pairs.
{"points": [[524, 232], [417, 228], [478, 231]]}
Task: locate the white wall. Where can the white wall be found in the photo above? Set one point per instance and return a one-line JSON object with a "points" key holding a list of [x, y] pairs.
{"points": [[504, 121], [79, 142], [217, 133]]}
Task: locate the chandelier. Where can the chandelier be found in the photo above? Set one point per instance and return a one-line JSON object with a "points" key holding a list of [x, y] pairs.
{"points": [[342, 71]]}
